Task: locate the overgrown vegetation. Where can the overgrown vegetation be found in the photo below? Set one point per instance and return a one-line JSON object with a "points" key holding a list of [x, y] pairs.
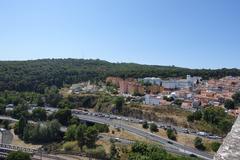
{"points": [[85, 135], [143, 151], [83, 138], [198, 143], [153, 127], [38, 133], [145, 125], [36, 83], [18, 156], [234, 103], [215, 146], [109, 104], [36, 75], [171, 134], [215, 117]]}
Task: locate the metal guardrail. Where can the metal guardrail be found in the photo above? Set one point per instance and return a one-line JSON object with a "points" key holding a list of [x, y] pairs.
{"points": [[17, 148]]}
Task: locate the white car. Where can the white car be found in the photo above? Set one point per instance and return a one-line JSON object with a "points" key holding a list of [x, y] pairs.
{"points": [[2, 129], [202, 134], [119, 118]]}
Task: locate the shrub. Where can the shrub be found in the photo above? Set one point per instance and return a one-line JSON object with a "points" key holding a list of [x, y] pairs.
{"points": [[98, 152], [190, 118], [215, 146], [145, 125], [70, 146], [229, 104], [197, 115], [199, 144], [236, 98], [71, 133], [102, 128], [171, 134], [153, 127], [63, 116], [178, 102], [18, 156]]}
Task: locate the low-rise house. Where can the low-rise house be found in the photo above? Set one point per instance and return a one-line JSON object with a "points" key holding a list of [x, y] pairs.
{"points": [[152, 100], [186, 105], [214, 103], [196, 103], [234, 112]]}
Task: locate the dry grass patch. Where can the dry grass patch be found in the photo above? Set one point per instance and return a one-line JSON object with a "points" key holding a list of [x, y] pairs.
{"points": [[125, 135], [106, 145], [185, 139], [65, 92], [168, 114]]}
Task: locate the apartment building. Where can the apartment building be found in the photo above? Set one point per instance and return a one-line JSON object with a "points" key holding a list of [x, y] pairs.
{"points": [[189, 82], [153, 80]]}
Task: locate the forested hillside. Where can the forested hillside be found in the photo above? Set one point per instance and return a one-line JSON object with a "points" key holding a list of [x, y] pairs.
{"points": [[36, 75]]}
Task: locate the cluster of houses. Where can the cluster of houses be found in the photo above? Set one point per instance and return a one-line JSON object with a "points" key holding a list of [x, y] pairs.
{"points": [[153, 88], [172, 89], [192, 91]]}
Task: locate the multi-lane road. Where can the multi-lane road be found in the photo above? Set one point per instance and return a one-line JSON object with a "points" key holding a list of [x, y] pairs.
{"points": [[169, 145], [124, 123], [131, 120]]}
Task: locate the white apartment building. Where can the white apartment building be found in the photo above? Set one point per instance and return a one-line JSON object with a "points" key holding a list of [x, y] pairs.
{"points": [[153, 80], [173, 83], [182, 83], [194, 79]]}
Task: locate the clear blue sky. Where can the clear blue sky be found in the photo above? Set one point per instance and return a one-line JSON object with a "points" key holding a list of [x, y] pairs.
{"points": [[187, 33]]}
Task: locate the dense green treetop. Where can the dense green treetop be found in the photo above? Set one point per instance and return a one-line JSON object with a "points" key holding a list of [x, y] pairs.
{"points": [[18, 156], [143, 151], [36, 75]]}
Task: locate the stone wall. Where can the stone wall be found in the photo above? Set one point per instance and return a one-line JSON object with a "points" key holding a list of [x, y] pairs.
{"points": [[230, 149]]}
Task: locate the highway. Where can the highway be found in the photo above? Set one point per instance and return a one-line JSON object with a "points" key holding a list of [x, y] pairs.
{"points": [[132, 120], [122, 122], [169, 145]]}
